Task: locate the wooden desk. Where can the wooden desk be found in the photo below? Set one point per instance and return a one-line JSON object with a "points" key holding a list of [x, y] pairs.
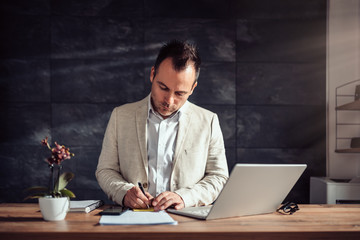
{"points": [[24, 221]]}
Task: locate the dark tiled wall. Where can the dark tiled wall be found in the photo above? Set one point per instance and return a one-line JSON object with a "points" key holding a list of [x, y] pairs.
{"points": [[65, 64]]}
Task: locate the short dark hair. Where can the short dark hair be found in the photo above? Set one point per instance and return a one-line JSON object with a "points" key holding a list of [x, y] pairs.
{"points": [[182, 53]]}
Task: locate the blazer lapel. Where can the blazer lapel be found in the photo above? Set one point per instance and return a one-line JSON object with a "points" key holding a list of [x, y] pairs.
{"points": [[141, 123], [184, 126]]}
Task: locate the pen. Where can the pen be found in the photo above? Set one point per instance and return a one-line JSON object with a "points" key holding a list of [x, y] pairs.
{"points": [[142, 190]]}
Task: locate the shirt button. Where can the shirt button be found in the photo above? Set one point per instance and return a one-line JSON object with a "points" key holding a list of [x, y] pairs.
{"points": [[145, 185]]}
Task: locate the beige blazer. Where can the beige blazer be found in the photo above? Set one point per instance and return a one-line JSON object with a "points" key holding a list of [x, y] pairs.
{"points": [[199, 168]]}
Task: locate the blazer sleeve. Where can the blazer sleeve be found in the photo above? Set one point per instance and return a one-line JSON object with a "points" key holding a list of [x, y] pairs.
{"points": [[108, 169], [216, 174]]}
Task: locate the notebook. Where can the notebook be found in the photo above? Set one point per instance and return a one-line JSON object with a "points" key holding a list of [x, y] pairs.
{"points": [[85, 205], [251, 189]]}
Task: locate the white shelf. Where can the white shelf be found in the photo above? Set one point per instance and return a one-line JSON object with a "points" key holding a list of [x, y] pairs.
{"points": [[328, 191]]}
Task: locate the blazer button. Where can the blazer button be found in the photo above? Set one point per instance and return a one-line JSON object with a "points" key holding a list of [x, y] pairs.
{"points": [[145, 185]]}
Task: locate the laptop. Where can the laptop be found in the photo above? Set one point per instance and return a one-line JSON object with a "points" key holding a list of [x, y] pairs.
{"points": [[251, 189]]}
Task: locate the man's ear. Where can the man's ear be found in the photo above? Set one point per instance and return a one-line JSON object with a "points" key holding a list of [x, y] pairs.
{"points": [[152, 74], [194, 86]]}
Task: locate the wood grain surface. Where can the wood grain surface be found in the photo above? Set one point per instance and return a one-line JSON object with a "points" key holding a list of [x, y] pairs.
{"points": [[24, 221]]}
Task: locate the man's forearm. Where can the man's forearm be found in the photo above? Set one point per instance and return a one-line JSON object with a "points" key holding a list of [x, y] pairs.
{"points": [[113, 184]]}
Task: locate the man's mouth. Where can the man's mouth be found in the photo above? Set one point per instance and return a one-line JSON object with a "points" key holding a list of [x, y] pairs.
{"points": [[165, 106]]}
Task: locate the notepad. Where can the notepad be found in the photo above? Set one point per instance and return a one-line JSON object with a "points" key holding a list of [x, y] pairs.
{"points": [[130, 217]]}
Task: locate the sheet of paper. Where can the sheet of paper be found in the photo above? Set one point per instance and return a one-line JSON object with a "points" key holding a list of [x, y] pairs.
{"points": [[130, 217]]}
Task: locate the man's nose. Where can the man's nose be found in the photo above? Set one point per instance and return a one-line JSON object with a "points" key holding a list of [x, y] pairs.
{"points": [[169, 99]]}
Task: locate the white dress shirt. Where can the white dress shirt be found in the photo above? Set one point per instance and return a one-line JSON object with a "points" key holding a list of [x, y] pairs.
{"points": [[161, 143]]}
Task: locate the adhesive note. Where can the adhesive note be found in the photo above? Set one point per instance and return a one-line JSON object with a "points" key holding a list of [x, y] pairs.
{"points": [[143, 209]]}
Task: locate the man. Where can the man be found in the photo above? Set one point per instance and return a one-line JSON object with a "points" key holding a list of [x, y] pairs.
{"points": [[172, 147]]}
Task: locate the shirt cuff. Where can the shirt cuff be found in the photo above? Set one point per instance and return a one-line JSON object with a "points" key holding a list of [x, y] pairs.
{"points": [[120, 194], [186, 197]]}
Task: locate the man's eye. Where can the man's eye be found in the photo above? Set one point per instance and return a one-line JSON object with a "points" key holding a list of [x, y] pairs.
{"points": [[180, 94]]}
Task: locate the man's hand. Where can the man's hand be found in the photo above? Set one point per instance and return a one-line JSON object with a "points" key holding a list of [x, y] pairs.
{"points": [[167, 199], [134, 198]]}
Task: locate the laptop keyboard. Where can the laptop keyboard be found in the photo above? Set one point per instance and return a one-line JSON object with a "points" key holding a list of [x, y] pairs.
{"points": [[196, 212], [199, 212]]}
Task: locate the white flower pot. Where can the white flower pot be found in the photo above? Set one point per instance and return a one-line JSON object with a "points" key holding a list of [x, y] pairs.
{"points": [[54, 209]]}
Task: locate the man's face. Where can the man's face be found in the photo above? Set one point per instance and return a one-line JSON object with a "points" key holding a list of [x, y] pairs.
{"points": [[170, 89]]}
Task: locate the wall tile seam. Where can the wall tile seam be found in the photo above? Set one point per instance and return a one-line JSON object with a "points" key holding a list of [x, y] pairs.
{"points": [[13, 103], [282, 105], [7, 14], [314, 61], [143, 10], [145, 61], [320, 17], [24, 58], [50, 136], [146, 18], [275, 148], [99, 16]]}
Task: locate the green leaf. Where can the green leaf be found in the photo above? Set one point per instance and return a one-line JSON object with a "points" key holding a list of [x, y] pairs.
{"points": [[36, 195], [64, 179], [37, 192], [37, 189], [67, 193]]}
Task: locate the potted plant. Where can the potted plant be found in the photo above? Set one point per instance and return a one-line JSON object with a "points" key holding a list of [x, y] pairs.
{"points": [[54, 200]]}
